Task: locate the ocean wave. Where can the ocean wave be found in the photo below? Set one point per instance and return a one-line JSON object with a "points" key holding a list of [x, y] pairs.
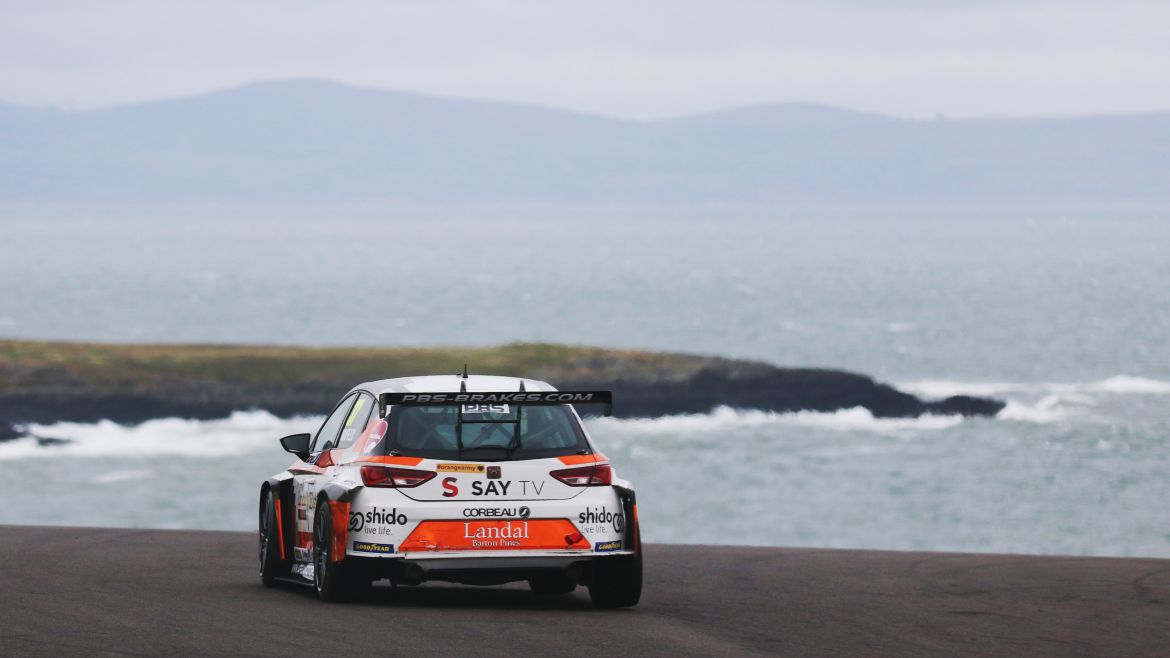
{"points": [[246, 432], [726, 418], [241, 433], [943, 388], [1127, 384], [1116, 385], [120, 476], [1050, 409]]}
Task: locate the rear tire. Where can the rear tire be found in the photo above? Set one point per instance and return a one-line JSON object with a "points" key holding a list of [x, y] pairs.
{"points": [[334, 581], [553, 584], [271, 564], [617, 581]]}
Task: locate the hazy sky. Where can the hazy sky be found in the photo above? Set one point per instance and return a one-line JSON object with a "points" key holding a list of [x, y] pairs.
{"points": [[625, 58]]}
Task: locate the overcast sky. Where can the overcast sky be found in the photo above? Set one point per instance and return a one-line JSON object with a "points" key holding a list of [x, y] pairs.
{"points": [[623, 58]]}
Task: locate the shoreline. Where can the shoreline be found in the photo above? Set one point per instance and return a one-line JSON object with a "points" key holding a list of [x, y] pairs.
{"points": [[45, 382]]}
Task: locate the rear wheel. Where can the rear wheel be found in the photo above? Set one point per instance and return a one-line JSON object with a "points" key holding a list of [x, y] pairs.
{"points": [[334, 581], [617, 581], [271, 564], [552, 584]]}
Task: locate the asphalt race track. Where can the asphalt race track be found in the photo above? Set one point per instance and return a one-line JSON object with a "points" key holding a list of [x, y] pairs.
{"points": [[86, 590]]}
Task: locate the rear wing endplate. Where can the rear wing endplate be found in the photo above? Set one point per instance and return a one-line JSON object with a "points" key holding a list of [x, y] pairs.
{"points": [[520, 398]]}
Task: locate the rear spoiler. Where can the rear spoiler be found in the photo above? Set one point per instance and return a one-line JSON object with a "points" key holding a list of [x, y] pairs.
{"points": [[522, 398]]}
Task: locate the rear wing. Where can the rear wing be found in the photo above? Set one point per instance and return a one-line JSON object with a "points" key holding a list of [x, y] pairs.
{"points": [[519, 398]]}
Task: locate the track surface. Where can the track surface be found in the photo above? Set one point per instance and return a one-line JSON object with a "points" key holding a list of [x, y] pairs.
{"points": [[87, 590]]}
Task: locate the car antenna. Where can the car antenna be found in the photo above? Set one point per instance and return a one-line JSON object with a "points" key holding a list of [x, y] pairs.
{"points": [[459, 415], [514, 444]]}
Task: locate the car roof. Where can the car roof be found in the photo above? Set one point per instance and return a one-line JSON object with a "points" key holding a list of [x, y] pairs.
{"points": [[452, 384]]}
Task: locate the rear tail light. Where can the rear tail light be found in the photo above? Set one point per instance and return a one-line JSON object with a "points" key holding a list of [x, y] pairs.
{"points": [[594, 475], [395, 478]]}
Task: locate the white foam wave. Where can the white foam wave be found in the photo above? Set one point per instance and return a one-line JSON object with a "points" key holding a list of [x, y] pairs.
{"points": [[725, 418], [1048, 410], [1116, 385], [942, 388], [119, 476], [242, 432], [1127, 384]]}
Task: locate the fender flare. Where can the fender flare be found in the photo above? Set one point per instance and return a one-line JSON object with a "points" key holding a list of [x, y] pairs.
{"points": [[285, 509], [281, 484], [339, 493], [629, 502], [339, 496]]}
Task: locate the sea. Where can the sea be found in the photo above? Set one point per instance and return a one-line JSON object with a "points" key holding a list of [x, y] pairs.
{"points": [[1066, 318]]}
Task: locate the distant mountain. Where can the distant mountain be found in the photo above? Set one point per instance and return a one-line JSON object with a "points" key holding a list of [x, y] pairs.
{"points": [[315, 141]]}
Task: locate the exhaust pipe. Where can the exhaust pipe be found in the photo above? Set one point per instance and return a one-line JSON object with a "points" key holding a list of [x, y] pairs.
{"points": [[412, 574]]}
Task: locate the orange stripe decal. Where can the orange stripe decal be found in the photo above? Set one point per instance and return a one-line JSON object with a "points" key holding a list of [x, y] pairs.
{"points": [[339, 515], [637, 533], [571, 460], [538, 534], [279, 528], [390, 459]]}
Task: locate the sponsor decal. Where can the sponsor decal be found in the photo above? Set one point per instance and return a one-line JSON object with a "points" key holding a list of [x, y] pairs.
{"points": [[361, 401], [449, 488], [481, 488], [506, 397], [540, 534], [493, 472], [498, 536], [496, 512], [370, 547], [379, 430], [608, 546], [376, 434], [375, 517], [304, 570], [460, 468], [485, 408], [500, 488], [594, 517], [487, 488]]}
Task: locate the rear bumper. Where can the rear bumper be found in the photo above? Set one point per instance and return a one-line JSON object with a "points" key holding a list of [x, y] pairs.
{"points": [[480, 569], [496, 559], [386, 525]]}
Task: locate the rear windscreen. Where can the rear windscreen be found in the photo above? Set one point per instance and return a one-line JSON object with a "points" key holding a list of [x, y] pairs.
{"points": [[496, 432]]}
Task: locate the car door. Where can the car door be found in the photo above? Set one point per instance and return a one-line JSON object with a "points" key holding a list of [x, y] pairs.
{"points": [[309, 476]]}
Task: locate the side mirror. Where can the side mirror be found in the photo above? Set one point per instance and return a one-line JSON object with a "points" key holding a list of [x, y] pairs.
{"points": [[297, 444]]}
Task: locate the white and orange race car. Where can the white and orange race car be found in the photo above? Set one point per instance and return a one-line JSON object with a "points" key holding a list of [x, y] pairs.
{"points": [[469, 479]]}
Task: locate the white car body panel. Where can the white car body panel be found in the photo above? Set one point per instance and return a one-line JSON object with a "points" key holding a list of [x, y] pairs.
{"points": [[465, 516]]}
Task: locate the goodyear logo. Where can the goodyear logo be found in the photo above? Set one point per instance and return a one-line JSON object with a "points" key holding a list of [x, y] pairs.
{"points": [[368, 547], [609, 546], [460, 468]]}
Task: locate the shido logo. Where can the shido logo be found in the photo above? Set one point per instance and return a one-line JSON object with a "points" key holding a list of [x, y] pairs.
{"points": [[601, 515], [358, 520]]}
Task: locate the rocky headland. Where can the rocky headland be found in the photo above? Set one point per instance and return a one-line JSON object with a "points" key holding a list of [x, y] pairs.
{"points": [[45, 382]]}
